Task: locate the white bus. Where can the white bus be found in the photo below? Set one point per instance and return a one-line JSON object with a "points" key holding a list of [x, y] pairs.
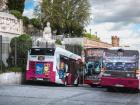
{"points": [[55, 65]]}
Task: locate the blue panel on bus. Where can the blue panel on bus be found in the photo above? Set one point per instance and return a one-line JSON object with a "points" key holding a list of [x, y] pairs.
{"points": [[39, 68]]}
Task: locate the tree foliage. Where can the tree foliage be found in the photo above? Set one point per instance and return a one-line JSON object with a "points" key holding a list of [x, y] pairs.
{"points": [[16, 5], [19, 46], [65, 16], [58, 42], [26, 20], [35, 22], [22, 44], [92, 37], [16, 13]]}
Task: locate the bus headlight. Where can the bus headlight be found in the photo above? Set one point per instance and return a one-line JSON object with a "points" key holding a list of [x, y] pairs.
{"points": [[128, 75]]}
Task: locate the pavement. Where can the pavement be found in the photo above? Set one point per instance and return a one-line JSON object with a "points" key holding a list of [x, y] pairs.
{"points": [[36, 94]]}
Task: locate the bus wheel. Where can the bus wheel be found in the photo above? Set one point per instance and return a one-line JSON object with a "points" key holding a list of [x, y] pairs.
{"points": [[93, 85], [110, 89]]}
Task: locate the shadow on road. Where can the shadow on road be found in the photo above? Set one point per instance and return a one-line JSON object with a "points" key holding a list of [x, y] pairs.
{"points": [[122, 90], [42, 83]]}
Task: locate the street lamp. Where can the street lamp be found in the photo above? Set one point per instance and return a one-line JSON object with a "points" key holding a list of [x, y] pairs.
{"points": [[90, 31]]}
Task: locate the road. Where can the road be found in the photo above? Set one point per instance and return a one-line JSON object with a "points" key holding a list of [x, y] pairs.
{"points": [[59, 95]]}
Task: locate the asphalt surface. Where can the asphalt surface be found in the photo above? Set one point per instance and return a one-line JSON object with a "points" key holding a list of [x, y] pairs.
{"points": [[60, 95]]}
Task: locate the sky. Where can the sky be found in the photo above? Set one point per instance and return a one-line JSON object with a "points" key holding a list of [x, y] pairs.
{"points": [[108, 18]]}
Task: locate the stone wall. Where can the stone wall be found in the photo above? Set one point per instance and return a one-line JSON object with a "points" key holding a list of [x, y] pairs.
{"points": [[10, 27], [11, 78]]}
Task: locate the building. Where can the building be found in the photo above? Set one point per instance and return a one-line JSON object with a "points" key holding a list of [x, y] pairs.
{"points": [[71, 43]]}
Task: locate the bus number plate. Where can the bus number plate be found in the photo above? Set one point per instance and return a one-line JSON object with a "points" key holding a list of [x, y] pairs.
{"points": [[39, 78], [118, 85]]}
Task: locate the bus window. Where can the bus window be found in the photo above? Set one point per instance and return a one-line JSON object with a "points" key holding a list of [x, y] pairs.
{"points": [[37, 51], [49, 51], [42, 51]]}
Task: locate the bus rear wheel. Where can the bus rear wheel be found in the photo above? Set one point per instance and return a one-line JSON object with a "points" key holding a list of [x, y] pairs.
{"points": [[110, 89]]}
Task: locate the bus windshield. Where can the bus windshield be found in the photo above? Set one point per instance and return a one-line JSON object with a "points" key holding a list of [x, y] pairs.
{"points": [[126, 60], [42, 51], [93, 58]]}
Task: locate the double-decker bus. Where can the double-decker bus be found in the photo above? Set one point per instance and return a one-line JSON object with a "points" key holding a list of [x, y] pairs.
{"points": [[55, 65], [93, 66], [121, 68]]}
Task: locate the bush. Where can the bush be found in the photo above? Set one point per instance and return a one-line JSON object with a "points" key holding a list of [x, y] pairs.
{"points": [[36, 22], [22, 43], [92, 37], [58, 42], [15, 69], [26, 20], [3, 67], [16, 13]]}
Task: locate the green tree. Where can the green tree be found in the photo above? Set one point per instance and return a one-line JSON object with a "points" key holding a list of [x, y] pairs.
{"points": [[58, 42], [19, 46], [16, 5], [36, 23], [92, 37], [26, 20], [16, 13], [65, 16], [22, 43]]}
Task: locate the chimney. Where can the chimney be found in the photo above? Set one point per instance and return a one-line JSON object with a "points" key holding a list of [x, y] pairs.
{"points": [[115, 41]]}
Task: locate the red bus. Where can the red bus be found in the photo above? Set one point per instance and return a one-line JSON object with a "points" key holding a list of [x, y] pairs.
{"points": [[93, 66], [55, 65], [121, 68]]}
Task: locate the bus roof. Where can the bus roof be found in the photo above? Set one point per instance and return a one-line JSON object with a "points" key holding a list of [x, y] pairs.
{"points": [[67, 53]]}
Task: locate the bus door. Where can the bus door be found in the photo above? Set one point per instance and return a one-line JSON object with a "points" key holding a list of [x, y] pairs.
{"points": [[64, 67], [68, 70]]}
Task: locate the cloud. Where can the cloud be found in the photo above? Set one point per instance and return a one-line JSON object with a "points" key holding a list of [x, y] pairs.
{"points": [[116, 17], [116, 10], [29, 13], [29, 8]]}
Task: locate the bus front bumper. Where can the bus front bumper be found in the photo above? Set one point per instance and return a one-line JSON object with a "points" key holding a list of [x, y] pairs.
{"points": [[120, 82]]}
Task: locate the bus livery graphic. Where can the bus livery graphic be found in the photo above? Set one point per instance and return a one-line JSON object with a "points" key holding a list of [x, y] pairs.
{"points": [[54, 65], [121, 66]]}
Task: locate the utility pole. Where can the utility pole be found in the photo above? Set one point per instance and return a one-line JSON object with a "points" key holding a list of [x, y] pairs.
{"points": [[90, 31]]}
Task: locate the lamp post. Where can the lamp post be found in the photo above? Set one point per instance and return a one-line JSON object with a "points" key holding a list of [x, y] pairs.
{"points": [[90, 31]]}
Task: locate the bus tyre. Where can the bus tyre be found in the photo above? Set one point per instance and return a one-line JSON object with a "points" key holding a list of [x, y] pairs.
{"points": [[93, 85], [110, 89]]}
